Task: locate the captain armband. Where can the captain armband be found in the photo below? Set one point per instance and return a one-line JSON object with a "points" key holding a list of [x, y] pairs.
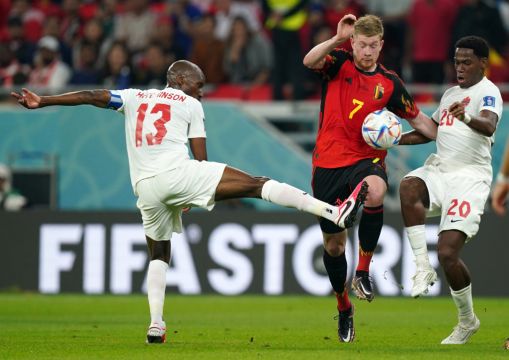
{"points": [[115, 101]]}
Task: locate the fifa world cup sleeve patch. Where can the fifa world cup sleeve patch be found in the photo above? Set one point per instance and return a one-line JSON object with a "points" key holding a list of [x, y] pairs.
{"points": [[115, 100], [489, 101]]}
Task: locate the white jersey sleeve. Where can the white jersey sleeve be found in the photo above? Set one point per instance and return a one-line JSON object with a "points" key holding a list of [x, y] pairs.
{"points": [[491, 100], [197, 126]]}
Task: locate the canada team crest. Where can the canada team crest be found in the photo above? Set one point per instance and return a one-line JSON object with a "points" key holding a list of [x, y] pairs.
{"points": [[466, 101], [379, 92]]}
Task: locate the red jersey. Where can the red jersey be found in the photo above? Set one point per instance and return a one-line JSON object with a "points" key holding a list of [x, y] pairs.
{"points": [[348, 96]]}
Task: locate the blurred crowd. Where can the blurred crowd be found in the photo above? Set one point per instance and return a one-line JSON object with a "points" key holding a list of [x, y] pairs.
{"points": [[117, 44]]}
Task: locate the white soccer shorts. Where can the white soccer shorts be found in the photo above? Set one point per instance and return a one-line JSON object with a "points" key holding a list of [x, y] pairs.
{"points": [[457, 196], [162, 197]]}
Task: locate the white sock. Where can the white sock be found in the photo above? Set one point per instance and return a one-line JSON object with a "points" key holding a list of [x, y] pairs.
{"points": [[463, 300], [156, 288], [417, 237], [289, 196]]}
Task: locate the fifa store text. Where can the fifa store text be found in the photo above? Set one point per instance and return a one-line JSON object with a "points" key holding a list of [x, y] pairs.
{"points": [[229, 258]]}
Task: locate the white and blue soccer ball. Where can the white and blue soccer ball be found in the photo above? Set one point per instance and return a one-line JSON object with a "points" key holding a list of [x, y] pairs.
{"points": [[381, 129]]}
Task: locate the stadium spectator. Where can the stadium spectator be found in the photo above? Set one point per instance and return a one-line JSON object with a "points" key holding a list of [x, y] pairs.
{"points": [[393, 14], [12, 72], [248, 55], [285, 19], [31, 17], [203, 5], [49, 72], [227, 10], [85, 71], [15, 38], [117, 73], [166, 180], [10, 199], [153, 67], [332, 11], [455, 182], [135, 26], [354, 85], [428, 40], [501, 189], [106, 13], [480, 18], [5, 6], [51, 28], [70, 22], [165, 35], [207, 51], [93, 35], [183, 15]]}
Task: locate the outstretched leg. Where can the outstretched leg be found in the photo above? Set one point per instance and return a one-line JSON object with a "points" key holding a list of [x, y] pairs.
{"points": [[235, 184], [159, 252], [414, 198], [450, 243]]}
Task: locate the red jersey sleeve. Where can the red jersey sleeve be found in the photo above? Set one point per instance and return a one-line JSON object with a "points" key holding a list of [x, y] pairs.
{"points": [[333, 62], [401, 102]]}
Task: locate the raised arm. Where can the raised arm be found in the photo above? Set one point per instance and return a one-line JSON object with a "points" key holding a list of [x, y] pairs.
{"points": [[31, 100], [315, 58], [413, 137], [485, 122]]}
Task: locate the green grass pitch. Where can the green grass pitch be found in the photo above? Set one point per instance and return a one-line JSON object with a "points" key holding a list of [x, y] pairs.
{"points": [[246, 327]]}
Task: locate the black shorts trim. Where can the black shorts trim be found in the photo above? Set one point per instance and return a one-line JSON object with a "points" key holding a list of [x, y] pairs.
{"points": [[336, 184]]}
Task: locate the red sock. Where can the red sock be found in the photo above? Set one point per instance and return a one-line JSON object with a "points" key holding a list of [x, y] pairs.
{"points": [[343, 300], [364, 260]]}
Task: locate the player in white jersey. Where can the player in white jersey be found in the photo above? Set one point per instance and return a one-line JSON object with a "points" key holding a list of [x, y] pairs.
{"points": [[158, 125], [455, 182]]}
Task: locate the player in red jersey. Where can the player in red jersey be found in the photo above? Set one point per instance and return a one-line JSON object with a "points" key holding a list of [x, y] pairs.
{"points": [[354, 85]]}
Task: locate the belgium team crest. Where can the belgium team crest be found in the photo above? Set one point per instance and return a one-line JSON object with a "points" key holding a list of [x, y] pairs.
{"points": [[379, 92]]}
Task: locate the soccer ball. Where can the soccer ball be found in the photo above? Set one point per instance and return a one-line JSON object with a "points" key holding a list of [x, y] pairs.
{"points": [[381, 129]]}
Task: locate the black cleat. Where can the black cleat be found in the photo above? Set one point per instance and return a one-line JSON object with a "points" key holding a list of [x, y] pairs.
{"points": [[346, 330], [362, 286]]}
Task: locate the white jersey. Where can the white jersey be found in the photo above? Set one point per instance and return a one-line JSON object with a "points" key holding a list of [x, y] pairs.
{"points": [[458, 145], [158, 124]]}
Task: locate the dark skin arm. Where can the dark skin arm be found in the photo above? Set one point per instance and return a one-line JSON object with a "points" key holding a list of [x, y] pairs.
{"points": [[31, 100], [485, 123], [198, 148], [413, 138]]}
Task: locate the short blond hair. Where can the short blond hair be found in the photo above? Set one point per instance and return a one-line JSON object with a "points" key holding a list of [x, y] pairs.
{"points": [[368, 25]]}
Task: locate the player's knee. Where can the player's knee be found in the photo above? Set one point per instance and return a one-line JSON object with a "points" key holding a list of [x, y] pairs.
{"points": [[334, 249], [375, 197], [160, 250], [408, 191], [447, 256]]}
